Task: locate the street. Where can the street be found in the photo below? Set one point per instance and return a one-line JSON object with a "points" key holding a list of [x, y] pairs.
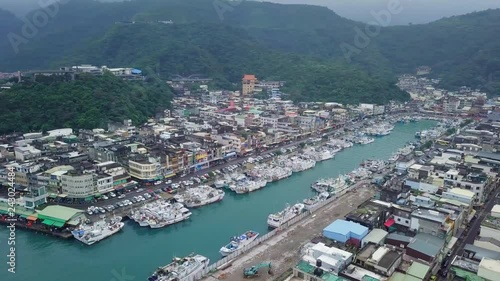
{"points": [[128, 195], [474, 227]]}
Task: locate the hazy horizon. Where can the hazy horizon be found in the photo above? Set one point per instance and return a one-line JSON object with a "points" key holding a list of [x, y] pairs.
{"points": [[416, 12]]}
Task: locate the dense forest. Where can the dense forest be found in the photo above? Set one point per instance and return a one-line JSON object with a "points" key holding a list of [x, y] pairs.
{"points": [[298, 43], [87, 102]]}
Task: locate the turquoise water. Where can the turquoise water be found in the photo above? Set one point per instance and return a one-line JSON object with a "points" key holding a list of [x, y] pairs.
{"points": [[138, 251]]}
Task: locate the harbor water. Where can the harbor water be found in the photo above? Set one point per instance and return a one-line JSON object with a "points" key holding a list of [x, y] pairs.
{"points": [[134, 253]]}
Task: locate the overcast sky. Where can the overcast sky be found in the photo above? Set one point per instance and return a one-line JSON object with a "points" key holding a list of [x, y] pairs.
{"points": [[414, 11]]}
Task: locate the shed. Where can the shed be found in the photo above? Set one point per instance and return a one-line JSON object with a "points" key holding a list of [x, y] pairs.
{"points": [[342, 230], [58, 216]]}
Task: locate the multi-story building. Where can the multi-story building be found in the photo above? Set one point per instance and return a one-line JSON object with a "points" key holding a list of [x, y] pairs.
{"points": [[77, 185], [144, 170], [248, 84], [26, 152]]}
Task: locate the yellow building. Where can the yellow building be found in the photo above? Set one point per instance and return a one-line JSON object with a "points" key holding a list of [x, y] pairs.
{"points": [[248, 84]]}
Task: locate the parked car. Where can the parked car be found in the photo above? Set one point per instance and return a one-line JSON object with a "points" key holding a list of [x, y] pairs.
{"points": [[121, 196], [139, 190]]}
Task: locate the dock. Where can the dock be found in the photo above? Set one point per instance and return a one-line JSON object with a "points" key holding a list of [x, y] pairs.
{"points": [[282, 250], [39, 228]]}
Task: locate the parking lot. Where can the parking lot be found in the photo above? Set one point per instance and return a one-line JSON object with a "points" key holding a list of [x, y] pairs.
{"points": [[125, 199]]}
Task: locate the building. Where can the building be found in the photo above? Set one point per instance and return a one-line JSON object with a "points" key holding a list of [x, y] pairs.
{"points": [[490, 228], [379, 259], [489, 269], [27, 152], [76, 185], [36, 196], [461, 195], [345, 232], [376, 236], [59, 216], [144, 170], [328, 259], [425, 247], [248, 84], [433, 222]]}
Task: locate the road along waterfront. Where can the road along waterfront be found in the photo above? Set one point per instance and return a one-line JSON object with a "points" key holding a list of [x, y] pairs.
{"points": [[136, 252]]}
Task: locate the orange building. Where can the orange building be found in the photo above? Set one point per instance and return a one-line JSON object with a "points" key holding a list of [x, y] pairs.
{"points": [[248, 84]]}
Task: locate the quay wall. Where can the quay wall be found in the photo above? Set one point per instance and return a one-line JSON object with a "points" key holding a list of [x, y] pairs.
{"points": [[213, 267]]}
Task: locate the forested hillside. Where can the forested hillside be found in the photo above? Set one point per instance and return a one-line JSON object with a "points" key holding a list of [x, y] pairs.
{"points": [[463, 50], [88, 102]]}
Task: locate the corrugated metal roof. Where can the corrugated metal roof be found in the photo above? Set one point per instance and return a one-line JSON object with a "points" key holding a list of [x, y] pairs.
{"points": [[344, 227]]}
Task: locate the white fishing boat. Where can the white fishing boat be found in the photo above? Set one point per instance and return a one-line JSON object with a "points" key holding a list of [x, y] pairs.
{"points": [[313, 201], [181, 269], [221, 183], [394, 157], [366, 140], [239, 242], [160, 213], [278, 219], [97, 231], [202, 195]]}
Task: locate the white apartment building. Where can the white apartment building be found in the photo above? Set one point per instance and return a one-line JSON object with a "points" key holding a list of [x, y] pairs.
{"points": [[104, 183], [78, 186]]}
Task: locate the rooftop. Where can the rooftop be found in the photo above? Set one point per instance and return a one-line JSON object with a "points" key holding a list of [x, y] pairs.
{"points": [[389, 259], [398, 276], [428, 214], [491, 222], [345, 227], [359, 273], [60, 212], [309, 269], [418, 270], [376, 235], [399, 237], [466, 275], [462, 192], [427, 244], [481, 252]]}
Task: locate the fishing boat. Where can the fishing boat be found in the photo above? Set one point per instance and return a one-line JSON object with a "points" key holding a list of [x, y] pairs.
{"points": [[202, 195], [278, 219], [97, 231], [221, 183], [160, 213], [313, 201], [181, 269], [239, 242]]}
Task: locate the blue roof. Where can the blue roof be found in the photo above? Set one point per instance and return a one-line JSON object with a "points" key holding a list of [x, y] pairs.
{"points": [[136, 71], [345, 227]]}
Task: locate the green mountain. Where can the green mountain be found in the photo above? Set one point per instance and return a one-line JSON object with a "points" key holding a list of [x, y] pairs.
{"points": [[462, 50], [87, 102]]}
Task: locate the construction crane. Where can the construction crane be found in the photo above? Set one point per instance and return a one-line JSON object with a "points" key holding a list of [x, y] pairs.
{"points": [[254, 270]]}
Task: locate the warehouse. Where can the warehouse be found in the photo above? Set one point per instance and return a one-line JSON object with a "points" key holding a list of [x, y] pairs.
{"points": [[345, 232]]}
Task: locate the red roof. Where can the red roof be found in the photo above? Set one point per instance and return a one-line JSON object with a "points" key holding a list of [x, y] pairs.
{"points": [[389, 222], [249, 77]]}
